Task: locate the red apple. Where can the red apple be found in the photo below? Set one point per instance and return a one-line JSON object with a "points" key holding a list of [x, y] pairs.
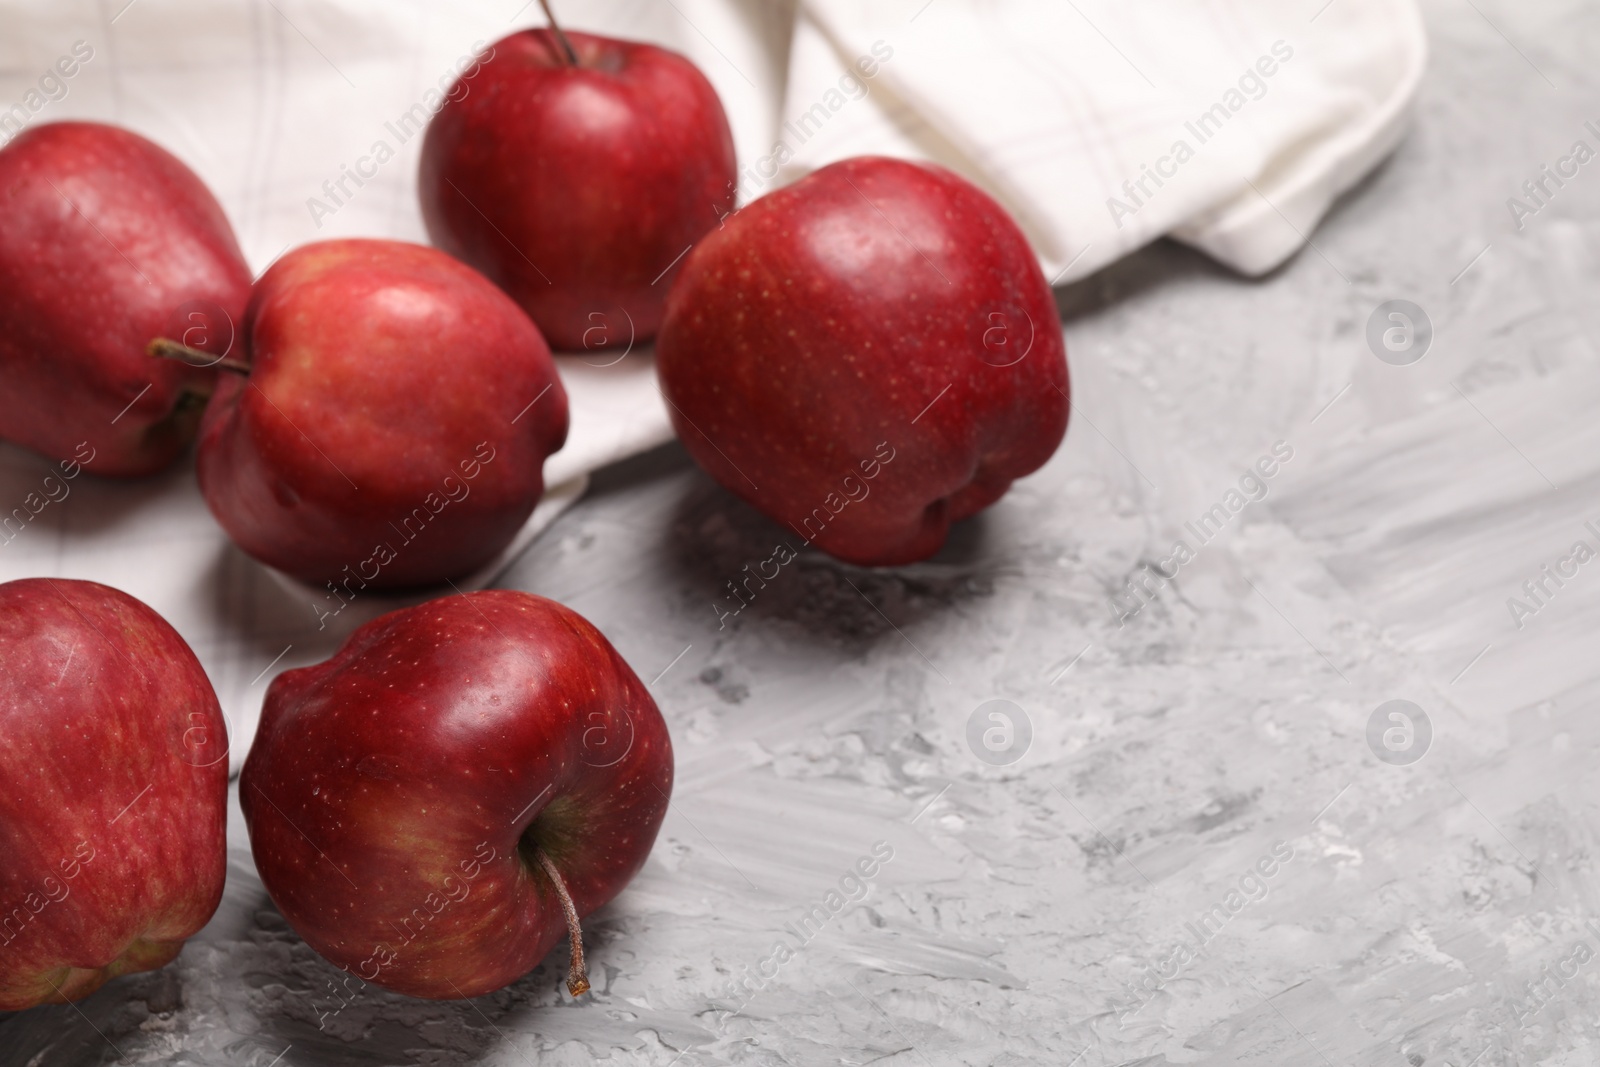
{"points": [[421, 804], [113, 790], [391, 425], [577, 181], [866, 356], [108, 242]]}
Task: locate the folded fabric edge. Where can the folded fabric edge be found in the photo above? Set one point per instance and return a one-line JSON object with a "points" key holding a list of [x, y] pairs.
{"points": [[1252, 232]]}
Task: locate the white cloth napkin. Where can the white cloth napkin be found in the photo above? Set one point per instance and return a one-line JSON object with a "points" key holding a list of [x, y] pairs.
{"points": [[1052, 105]]}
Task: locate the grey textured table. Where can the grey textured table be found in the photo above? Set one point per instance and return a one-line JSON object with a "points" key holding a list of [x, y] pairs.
{"points": [[1199, 858]]}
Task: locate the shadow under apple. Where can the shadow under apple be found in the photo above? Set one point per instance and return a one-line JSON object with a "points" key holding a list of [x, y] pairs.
{"points": [[332, 1017], [749, 569]]}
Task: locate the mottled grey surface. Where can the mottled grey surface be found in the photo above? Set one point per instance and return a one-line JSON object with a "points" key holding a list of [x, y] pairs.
{"points": [[1434, 913]]}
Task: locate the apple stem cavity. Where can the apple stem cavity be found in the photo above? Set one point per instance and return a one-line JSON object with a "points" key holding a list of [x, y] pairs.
{"points": [[162, 348], [577, 973], [555, 27]]}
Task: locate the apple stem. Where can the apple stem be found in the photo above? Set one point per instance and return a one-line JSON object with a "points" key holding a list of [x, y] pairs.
{"points": [[165, 349], [577, 973], [555, 27]]}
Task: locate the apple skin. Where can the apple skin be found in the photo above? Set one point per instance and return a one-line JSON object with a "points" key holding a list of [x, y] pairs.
{"points": [[394, 424], [393, 793], [577, 188], [86, 284], [866, 356], [113, 790]]}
